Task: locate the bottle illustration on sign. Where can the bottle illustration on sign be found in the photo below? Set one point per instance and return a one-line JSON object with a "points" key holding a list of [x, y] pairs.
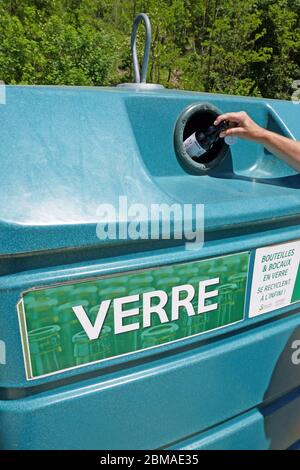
{"points": [[115, 290], [159, 334], [166, 285], [135, 336], [89, 351], [69, 327], [199, 143], [220, 270], [240, 280], [226, 301], [45, 311], [197, 324], [45, 349]]}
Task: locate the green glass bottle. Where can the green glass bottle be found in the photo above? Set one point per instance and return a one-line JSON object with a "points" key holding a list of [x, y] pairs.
{"points": [[227, 303], [43, 311], [86, 351], [111, 293], [220, 270], [63, 294], [163, 273], [112, 282], [166, 284], [241, 281], [45, 349], [129, 341], [69, 327], [159, 334], [196, 324], [132, 340], [186, 272], [137, 283], [87, 292]]}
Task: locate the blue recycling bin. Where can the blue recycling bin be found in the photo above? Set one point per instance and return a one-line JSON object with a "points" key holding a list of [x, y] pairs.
{"points": [[111, 341]]}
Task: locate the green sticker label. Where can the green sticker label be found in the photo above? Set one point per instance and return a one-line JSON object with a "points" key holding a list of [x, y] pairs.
{"points": [[296, 291], [72, 325]]}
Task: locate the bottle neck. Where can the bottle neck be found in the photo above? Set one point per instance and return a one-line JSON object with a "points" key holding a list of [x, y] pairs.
{"points": [[213, 132]]}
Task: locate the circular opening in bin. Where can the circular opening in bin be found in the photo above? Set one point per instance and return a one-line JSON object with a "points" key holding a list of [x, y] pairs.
{"points": [[198, 116]]}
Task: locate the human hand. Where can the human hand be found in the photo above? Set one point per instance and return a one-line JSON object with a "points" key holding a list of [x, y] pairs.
{"points": [[242, 126]]}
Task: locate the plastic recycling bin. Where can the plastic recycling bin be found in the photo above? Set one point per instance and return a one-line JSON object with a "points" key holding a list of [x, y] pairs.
{"points": [[144, 342]]}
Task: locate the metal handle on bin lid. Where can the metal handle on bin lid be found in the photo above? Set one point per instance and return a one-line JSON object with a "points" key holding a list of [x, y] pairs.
{"points": [[140, 78]]}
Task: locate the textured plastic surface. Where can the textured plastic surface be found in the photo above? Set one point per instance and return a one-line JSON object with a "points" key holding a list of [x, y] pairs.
{"points": [[66, 150], [158, 403], [63, 152]]}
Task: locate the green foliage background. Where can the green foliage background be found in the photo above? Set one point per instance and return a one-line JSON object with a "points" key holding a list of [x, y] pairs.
{"points": [[247, 47]]}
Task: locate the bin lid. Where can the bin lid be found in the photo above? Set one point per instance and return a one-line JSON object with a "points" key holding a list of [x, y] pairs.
{"points": [[66, 151]]}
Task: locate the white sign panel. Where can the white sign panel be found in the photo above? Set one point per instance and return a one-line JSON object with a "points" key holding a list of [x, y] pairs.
{"points": [[274, 276]]}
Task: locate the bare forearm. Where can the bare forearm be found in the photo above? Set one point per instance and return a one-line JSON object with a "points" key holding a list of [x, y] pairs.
{"points": [[245, 128], [283, 147]]}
